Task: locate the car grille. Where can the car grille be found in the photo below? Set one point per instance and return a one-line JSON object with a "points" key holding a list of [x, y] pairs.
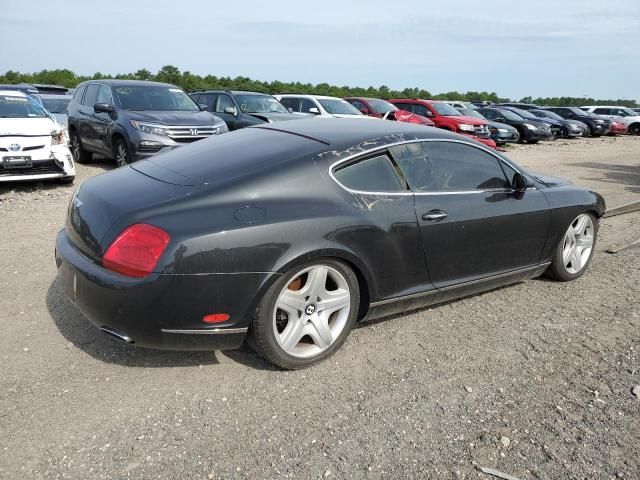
{"points": [[191, 133], [481, 131], [25, 149], [38, 168]]}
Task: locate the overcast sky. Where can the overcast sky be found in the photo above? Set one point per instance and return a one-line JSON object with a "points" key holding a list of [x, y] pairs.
{"points": [[515, 48]]}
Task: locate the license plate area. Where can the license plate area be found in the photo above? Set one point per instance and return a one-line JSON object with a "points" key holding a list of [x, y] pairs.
{"points": [[16, 162]]}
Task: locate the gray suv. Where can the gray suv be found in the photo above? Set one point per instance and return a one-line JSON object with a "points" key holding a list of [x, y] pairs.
{"points": [[129, 120]]}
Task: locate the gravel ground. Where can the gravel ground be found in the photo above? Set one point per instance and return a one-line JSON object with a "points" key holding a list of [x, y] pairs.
{"points": [[533, 380]]}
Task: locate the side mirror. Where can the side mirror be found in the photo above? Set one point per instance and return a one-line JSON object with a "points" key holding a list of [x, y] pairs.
{"points": [[203, 107], [231, 110], [290, 110], [519, 183], [103, 108], [314, 110]]}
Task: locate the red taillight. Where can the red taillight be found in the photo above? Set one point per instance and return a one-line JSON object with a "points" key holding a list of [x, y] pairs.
{"points": [[215, 318], [136, 251]]}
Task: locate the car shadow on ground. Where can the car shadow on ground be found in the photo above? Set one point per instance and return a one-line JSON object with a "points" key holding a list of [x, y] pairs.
{"points": [[82, 334], [627, 175]]}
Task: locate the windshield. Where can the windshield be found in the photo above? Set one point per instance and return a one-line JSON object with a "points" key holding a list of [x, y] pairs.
{"points": [[155, 98], [629, 112], [381, 106], [547, 114], [20, 107], [338, 107], [509, 115], [445, 109], [56, 105], [471, 113], [260, 104], [523, 113]]}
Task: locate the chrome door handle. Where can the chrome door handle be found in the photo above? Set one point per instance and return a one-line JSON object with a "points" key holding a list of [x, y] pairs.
{"points": [[434, 215]]}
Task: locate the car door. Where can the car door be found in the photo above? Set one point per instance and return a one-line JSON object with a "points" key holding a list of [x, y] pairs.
{"points": [[387, 236], [86, 114], [102, 121], [473, 224], [222, 102]]}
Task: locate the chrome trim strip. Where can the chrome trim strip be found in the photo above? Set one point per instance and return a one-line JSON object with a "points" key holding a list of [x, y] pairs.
{"points": [[333, 166], [459, 285], [212, 331], [116, 334]]}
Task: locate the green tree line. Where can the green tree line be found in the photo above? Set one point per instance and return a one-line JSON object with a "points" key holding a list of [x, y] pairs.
{"points": [[190, 81]]}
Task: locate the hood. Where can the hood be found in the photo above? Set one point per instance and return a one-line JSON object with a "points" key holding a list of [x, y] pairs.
{"points": [[275, 116], [504, 126], [27, 127], [549, 180], [469, 120], [175, 118]]}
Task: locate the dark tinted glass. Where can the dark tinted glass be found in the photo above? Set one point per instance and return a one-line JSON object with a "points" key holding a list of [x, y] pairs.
{"points": [[291, 103], [421, 110], [306, 105], [208, 99], [78, 95], [448, 167], [375, 174], [92, 95], [358, 104]]}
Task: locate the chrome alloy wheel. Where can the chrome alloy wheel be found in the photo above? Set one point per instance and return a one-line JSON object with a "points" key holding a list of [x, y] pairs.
{"points": [[75, 146], [311, 311], [578, 243], [122, 155]]}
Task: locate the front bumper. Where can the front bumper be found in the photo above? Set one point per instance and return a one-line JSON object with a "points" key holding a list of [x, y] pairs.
{"points": [[46, 164], [505, 137], [159, 311]]}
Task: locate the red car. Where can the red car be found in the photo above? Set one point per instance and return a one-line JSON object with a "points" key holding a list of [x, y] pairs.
{"points": [[447, 117], [374, 107], [617, 128]]}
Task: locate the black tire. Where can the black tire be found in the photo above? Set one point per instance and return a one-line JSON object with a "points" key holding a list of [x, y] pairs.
{"points": [[589, 132], [557, 269], [121, 152], [80, 155], [521, 135], [262, 336], [564, 133], [65, 180], [532, 142], [634, 129]]}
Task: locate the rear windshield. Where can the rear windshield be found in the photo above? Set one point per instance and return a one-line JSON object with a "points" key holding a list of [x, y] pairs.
{"points": [[382, 106], [56, 105], [338, 107], [155, 98], [20, 107]]}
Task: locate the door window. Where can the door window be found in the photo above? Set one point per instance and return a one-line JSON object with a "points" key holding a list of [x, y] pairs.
{"points": [[104, 95], [306, 105], [358, 104], [224, 101], [448, 167], [91, 95], [407, 107], [208, 99], [421, 110], [375, 174], [292, 103], [77, 97], [603, 111]]}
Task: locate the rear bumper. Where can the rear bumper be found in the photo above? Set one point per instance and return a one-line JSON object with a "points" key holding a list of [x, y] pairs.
{"points": [[159, 311]]}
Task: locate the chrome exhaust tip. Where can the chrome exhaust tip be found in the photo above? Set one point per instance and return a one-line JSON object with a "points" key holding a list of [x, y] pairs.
{"points": [[116, 334]]}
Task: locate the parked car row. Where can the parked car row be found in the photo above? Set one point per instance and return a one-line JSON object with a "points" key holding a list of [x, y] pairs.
{"points": [[129, 120]]}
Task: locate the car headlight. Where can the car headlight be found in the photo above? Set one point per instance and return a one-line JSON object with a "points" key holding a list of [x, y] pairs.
{"points": [[151, 128], [58, 137], [503, 130], [465, 127], [530, 127]]}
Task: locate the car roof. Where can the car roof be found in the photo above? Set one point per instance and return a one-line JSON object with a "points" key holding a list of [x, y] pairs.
{"points": [[16, 93], [234, 92], [304, 95], [347, 132], [603, 106], [129, 83]]}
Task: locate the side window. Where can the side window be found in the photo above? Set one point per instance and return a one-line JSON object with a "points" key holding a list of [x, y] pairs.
{"points": [[224, 101], [489, 114], [448, 167], [603, 111], [407, 107], [104, 95], [421, 110], [306, 105], [77, 97], [359, 105], [375, 174], [91, 95], [208, 99], [291, 102]]}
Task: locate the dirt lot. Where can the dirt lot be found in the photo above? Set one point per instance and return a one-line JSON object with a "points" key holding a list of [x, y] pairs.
{"points": [[533, 380]]}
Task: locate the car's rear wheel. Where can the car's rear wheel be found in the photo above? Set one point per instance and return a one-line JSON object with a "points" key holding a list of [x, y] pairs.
{"points": [[634, 129], [121, 152], [80, 155], [575, 249], [306, 315]]}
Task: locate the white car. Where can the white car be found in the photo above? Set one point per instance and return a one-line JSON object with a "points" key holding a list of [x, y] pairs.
{"points": [[33, 146], [629, 118], [321, 106], [460, 104]]}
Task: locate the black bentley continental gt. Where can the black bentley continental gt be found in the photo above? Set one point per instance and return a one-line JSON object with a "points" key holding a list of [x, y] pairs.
{"points": [[288, 234]]}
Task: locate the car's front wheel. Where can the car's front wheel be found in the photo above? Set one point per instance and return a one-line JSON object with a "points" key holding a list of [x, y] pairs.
{"points": [[121, 152], [574, 251], [306, 315]]}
